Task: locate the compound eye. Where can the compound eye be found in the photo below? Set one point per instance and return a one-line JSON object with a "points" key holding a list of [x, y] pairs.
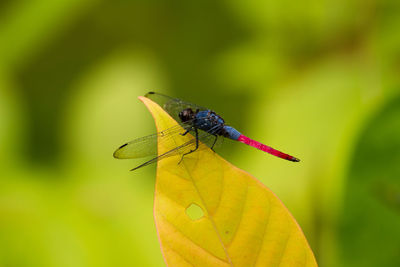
{"points": [[183, 115]]}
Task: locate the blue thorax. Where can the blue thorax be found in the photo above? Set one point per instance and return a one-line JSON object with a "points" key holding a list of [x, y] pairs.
{"points": [[210, 122]]}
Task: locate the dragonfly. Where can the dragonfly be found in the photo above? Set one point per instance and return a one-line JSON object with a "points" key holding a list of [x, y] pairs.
{"points": [[206, 127]]}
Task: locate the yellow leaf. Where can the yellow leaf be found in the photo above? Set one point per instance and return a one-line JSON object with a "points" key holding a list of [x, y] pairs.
{"points": [[210, 213]]}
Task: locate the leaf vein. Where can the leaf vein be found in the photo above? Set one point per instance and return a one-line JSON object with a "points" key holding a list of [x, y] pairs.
{"points": [[264, 232], [188, 238], [241, 216]]}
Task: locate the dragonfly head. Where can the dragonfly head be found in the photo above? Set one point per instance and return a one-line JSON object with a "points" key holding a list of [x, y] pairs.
{"points": [[186, 115]]}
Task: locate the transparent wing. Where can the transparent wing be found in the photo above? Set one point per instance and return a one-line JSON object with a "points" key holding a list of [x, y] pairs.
{"points": [[172, 105], [206, 141], [147, 145]]}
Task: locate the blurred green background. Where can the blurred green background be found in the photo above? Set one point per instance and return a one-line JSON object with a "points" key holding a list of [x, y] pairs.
{"points": [[317, 79]]}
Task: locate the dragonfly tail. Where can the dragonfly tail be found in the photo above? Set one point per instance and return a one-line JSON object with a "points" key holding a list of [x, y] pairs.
{"points": [[265, 148]]}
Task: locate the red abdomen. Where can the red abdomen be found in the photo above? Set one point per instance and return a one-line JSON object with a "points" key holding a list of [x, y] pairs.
{"points": [[265, 148]]}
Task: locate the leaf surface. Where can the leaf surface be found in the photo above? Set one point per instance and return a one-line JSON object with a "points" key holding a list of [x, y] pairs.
{"points": [[236, 220]]}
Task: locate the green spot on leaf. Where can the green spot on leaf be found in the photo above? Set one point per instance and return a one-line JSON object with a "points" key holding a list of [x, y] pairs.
{"points": [[194, 212]]}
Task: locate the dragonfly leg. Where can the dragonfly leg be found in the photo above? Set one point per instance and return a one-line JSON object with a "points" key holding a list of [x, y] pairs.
{"points": [[216, 137], [183, 134], [192, 150]]}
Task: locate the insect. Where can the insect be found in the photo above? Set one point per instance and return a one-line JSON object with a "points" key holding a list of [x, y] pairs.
{"points": [[206, 126]]}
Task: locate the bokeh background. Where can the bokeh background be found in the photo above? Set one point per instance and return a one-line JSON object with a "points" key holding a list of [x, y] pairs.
{"points": [[317, 79]]}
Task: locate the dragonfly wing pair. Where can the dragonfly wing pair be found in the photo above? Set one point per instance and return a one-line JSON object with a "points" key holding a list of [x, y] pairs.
{"points": [[147, 146]]}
